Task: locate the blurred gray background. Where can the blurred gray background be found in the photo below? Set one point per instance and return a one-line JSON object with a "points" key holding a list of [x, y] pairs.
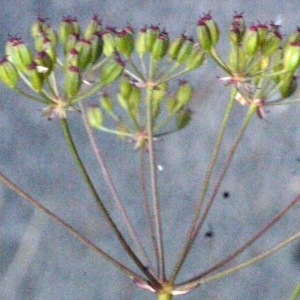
{"points": [[39, 260]]}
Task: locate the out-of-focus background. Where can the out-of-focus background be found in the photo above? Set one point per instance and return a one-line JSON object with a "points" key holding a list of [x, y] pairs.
{"points": [[39, 260]]}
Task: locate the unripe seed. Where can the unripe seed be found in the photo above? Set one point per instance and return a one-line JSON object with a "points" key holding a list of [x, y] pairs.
{"points": [[94, 116], [8, 73]]}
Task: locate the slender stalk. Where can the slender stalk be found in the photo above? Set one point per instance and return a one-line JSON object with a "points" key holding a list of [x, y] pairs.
{"points": [[282, 102], [70, 229], [152, 68], [170, 74], [98, 64], [87, 93], [53, 84], [164, 121], [21, 92], [254, 259], [136, 70], [155, 283], [113, 190], [134, 120], [156, 204], [216, 57], [167, 68], [149, 220], [195, 281], [116, 132], [247, 119], [206, 182], [143, 65]]}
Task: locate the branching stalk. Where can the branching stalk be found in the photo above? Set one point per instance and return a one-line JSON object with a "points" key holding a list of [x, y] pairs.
{"points": [[113, 190], [102, 208], [247, 119], [195, 281], [69, 228], [254, 259], [206, 182]]}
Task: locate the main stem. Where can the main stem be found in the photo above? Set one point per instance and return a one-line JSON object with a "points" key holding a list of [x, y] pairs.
{"points": [[164, 297], [156, 204], [146, 204]]}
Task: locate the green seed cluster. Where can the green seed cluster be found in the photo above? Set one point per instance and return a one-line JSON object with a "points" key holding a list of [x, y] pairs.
{"points": [[91, 59], [82, 54], [259, 66], [144, 85]]}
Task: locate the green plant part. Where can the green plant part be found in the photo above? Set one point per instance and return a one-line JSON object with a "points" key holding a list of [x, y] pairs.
{"points": [[160, 46], [68, 26], [196, 58], [131, 74], [72, 81], [140, 42], [237, 29], [291, 56], [207, 32], [109, 44], [44, 63], [124, 41], [8, 73], [111, 71], [18, 53], [35, 77], [250, 40], [84, 49], [94, 26], [152, 34], [95, 116]]}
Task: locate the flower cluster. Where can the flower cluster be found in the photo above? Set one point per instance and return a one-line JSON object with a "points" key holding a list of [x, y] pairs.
{"points": [[259, 64], [144, 86], [38, 68], [105, 54]]}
